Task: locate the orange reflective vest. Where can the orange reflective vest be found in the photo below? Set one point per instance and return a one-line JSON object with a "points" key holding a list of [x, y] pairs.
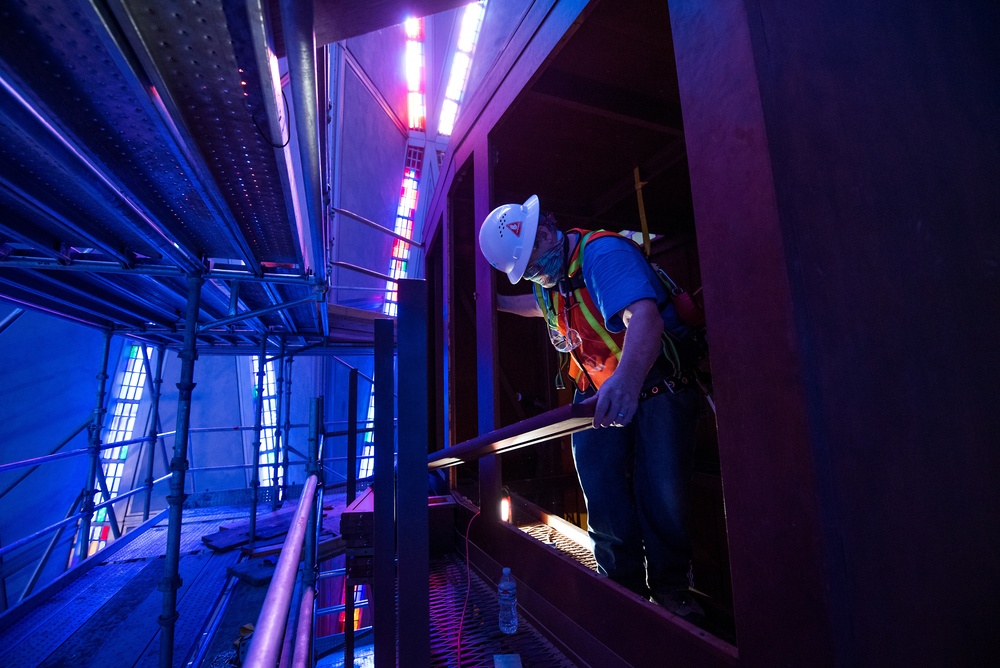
{"points": [[599, 350]]}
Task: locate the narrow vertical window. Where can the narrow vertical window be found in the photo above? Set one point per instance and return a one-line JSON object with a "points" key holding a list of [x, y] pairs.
{"points": [[461, 63], [119, 427], [405, 215], [269, 420], [414, 66]]}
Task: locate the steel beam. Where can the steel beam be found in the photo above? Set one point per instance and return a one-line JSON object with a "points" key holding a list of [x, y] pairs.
{"points": [[178, 465], [384, 585], [411, 478]]}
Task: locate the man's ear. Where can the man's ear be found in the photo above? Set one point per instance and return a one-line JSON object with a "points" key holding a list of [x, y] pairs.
{"points": [[543, 237]]}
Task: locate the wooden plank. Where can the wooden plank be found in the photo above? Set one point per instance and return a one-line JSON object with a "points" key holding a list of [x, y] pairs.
{"points": [[269, 526]]}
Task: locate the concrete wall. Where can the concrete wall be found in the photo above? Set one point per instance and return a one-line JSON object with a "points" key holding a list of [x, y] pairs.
{"points": [[49, 389]]}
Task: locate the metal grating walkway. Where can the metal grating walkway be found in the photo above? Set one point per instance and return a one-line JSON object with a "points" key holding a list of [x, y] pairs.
{"points": [[107, 617], [481, 637]]}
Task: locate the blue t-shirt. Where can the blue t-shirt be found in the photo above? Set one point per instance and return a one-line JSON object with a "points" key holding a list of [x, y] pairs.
{"points": [[617, 275]]}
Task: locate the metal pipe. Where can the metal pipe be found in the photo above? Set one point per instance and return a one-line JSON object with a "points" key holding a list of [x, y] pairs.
{"points": [[304, 631], [288, 418], [337, 359], [258, 420], [37, 573], [44, 212], [275, 298], [299, 350], [303, 639], [106, 493], [178, 465], [315, 416], [156, 383], [363, 603], [270, 626], [276, 465], [6, 549], [197, 654], [144, 268], [36, 461], [380, 228], [40, 460], [297, 18], [10, 319], [256, 312], [352, 435], [95, 451], [207, 430], [348, 623], [129, 494], [361, 270]]}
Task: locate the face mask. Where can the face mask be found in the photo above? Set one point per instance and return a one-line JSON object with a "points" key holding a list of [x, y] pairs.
{"points": [[547, 269]]}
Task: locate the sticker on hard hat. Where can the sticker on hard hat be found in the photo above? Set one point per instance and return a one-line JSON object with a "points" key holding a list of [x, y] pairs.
{"points": [[515, 228]]}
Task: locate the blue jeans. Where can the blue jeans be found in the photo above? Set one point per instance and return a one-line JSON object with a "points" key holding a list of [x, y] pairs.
{"points": [[636, 481]]}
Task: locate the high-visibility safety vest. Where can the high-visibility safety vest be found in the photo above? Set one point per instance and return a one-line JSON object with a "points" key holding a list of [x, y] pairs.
{"points": [[599, 350]]}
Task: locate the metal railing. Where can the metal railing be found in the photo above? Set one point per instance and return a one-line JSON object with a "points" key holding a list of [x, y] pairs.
{"points": [[269, 631]]}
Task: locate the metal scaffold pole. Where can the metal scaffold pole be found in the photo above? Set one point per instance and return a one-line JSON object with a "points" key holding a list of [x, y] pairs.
{"points": [[156, 381], [257, 421], [303, 655], [90, 488], [178, 465], [288, 423], [352, 435], [279, 382]]}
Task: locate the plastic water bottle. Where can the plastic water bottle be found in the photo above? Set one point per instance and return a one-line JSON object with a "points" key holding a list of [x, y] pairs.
{"points": [[507, 598]]}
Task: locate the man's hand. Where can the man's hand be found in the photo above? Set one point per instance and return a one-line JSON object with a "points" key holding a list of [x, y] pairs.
{"points": [[618, 398], [524, 305]]}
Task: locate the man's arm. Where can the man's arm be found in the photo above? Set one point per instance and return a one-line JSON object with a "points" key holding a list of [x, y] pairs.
{"points": [[619, 394], [524, 305]]}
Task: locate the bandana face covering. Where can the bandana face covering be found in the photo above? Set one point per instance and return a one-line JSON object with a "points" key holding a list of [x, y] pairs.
{"points": [[547, 269]]}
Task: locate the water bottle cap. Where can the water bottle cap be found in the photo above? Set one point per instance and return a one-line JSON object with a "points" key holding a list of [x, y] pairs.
{"points": [[506, 570]]}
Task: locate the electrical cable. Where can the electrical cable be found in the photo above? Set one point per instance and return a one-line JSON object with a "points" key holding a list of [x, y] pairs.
{"points": [[468, 589], [260, 131]]}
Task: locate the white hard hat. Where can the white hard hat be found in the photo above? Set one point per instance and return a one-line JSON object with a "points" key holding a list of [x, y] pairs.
{"points": [[507, 237]]}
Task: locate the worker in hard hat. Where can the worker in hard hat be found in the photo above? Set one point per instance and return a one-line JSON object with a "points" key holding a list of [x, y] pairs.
{"points": [[607, 309]]}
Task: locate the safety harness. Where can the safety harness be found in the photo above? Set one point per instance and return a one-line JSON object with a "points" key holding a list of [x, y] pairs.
{"points": [[570, 306]]}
